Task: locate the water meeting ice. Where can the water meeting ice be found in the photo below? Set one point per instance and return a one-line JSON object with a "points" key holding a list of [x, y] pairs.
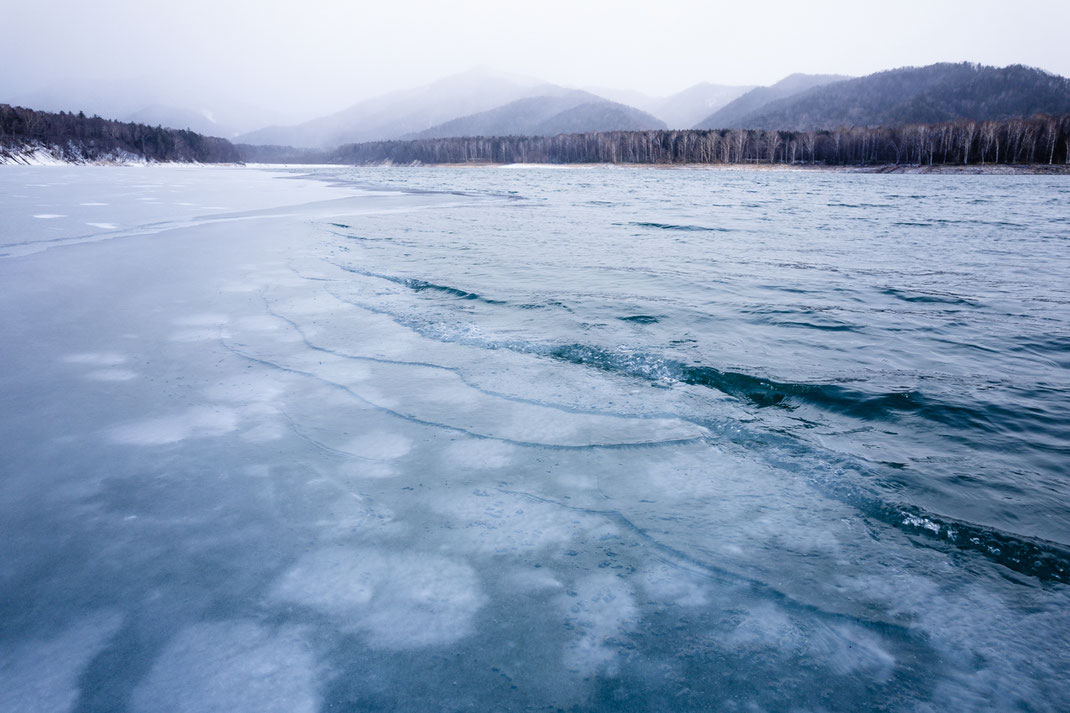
{"points": [[436, 439]]}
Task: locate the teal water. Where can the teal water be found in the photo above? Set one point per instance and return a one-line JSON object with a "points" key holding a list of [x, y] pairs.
{"points": [[533, 439]]}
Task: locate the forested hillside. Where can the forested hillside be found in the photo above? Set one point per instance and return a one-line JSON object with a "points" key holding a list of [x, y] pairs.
{"points": [[78, 138], [937, 93], [1039, 140]]}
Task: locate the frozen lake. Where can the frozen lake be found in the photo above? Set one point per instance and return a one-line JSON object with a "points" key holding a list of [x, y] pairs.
{"points": [[482, 439]]}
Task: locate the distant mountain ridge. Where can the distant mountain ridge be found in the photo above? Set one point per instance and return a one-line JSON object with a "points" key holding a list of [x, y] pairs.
{"points": [[682, 109], [734, 114], [405, 112], [930, 94], [478, 102], [574, 111]]}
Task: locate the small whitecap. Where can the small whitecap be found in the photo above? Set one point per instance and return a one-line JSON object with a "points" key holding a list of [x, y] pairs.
{"points": [[48, 216], [103, 226]]}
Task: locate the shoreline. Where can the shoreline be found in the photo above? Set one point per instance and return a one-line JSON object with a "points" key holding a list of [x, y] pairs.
{"points": [[946, 169], [971, 169]]}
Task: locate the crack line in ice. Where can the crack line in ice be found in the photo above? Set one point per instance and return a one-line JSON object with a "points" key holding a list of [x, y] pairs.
{"points": [[680, 560], [1046, 560], [323, 446], [460, 375], [457, 429]]}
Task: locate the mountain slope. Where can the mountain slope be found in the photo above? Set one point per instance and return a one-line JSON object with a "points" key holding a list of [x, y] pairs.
{"points": [[405, 112], [733, 114], [575, 111], [936, 93]]}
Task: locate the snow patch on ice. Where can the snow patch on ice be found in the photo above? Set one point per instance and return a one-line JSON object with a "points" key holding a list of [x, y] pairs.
{"points": [[111, 375], [208, 319], [96, 358], [397, 600], [199, 335], [602, 610], [535, 579], [196, 422], [247, 388], [379, 445], [671, 585], [259, 323], [231, 666], [480, 453], [376, 470], [844, 648], [493, 522], [41, 675]]}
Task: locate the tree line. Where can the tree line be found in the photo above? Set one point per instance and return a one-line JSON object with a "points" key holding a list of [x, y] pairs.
{"points": [[76, 137], [1036, 140]]}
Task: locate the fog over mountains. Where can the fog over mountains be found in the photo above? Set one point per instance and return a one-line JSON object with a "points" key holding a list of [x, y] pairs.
{"points": [[484, 103]]}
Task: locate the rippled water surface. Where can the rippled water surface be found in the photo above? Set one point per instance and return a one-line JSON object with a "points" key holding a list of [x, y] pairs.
{"points": [[533, 439]]}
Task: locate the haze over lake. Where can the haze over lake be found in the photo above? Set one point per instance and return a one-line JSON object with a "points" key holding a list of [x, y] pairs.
{"points": [[598, 439]]}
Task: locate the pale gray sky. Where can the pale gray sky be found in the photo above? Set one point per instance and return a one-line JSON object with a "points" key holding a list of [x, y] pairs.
{"points": [[315, 56]]}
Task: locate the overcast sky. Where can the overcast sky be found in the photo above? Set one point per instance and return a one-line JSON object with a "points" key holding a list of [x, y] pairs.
{"points": [[315, 56]]}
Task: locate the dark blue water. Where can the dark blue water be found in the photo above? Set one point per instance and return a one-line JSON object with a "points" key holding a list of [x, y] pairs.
{"points": [[534, 439]]}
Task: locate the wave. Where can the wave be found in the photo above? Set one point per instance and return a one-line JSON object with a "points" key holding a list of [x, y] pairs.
{"points": [[927, 297], [762, 392], [765, 393], [685, 228], [417, 285]]}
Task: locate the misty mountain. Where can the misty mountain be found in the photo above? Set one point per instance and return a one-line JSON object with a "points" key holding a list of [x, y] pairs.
{"points": [[683, 109], [174, 117], [733, 114], [406, 112], [149, 101], [574, 111], [936, 93], [680, 110]]}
